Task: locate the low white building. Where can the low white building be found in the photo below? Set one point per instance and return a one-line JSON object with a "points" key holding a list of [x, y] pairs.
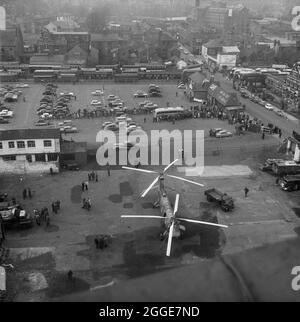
{"points": [[29, 150], [218, 56]]}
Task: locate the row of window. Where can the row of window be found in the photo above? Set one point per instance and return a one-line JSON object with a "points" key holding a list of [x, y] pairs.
{"points": [[22, 145], [38, 157]]}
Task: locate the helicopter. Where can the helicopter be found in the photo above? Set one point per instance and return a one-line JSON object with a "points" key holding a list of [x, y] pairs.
{"points": [[173, 227]]}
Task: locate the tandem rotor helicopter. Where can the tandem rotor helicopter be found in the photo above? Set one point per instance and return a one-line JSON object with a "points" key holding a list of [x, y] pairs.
{"points": [[172, 224]]}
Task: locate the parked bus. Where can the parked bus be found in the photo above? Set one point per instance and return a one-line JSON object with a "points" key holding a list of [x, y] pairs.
{"points": [[166, 112]]}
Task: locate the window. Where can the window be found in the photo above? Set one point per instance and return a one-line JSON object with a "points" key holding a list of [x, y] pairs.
{"points": [[9, 158], [40, 157], [21, 144], [31, 144], [52, 157], [11, 145], [47, 143], [1, 146]]}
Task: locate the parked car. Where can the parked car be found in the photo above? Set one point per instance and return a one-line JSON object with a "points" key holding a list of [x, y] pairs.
{"points": [[71, 166], [95, 103], [213, 132], [269, 107], [155, 94], [22, 85], [140, 94], [42, 123], [3, 120], [111, 127], [224, 134], [142, 104], [280, 113], [98, 92], [71, 129], [112, 97], [181, 86], [106, 123], [6, 114]]}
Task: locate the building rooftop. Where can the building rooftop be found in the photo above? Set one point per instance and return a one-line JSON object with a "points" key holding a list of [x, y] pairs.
{"points": [[28, 134], [47, 59], [106, 37]]}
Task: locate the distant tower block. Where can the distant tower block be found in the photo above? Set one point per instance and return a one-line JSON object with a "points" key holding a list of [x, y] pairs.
{"points": [[197, 3], [2, 18]]}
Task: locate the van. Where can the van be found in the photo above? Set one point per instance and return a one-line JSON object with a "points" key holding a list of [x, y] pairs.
{"points": [[290, 183]]}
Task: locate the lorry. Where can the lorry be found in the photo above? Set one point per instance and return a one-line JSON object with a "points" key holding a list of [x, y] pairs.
{"points": [[224, 200], [281, 167], [290, 183], [15, 215]]}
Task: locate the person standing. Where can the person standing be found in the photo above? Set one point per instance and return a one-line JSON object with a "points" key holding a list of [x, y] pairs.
{"points": [[96, 242], [82, 186], [108, 170], [53, 207], [70, 275], [58, 205], [96, 177], [86, 185], [246, 192], [24, 194]]}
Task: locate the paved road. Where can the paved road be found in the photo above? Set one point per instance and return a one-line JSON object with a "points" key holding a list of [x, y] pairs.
{"points": [[260, 112]]}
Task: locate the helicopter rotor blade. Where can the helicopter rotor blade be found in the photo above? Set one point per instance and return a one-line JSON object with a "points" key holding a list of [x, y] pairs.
{"points": [[202, 222], [139, 216], [170, 238], [179, 178], [169, 166], [150, 187], [140, 170], [176, 204]]}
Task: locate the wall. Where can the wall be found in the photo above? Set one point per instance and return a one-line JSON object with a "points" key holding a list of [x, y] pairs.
{"points": [[21, 167], [226, 60]]}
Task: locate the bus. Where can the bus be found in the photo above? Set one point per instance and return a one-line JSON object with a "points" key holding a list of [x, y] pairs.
{"points": [[166, 112]]}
